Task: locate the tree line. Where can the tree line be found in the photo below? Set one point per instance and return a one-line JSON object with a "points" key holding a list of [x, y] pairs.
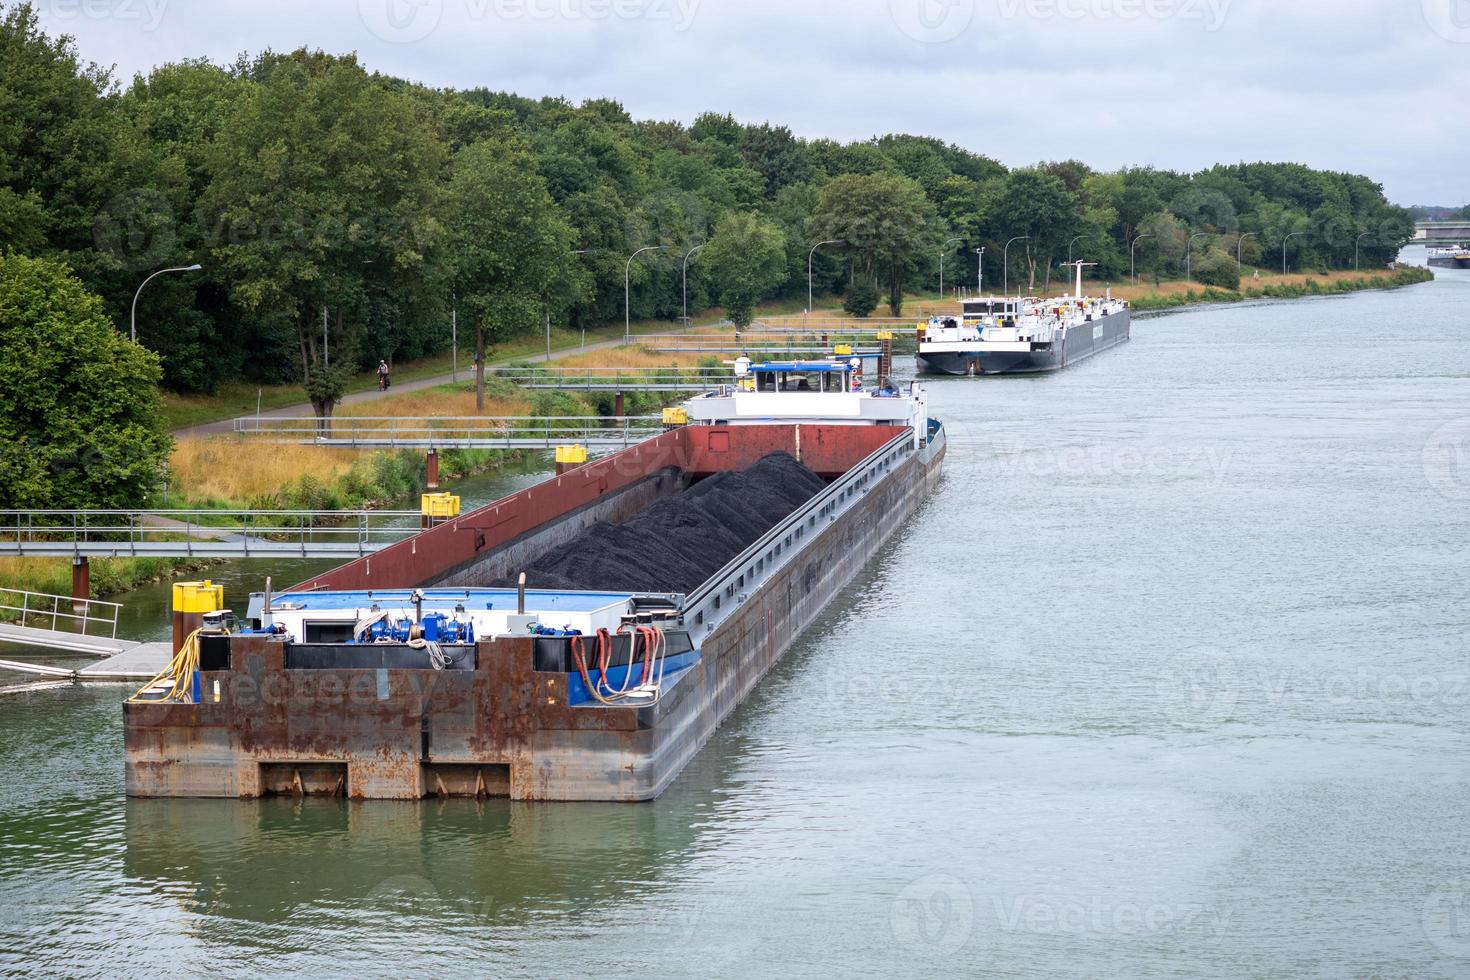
{"points": [[340, 214]]}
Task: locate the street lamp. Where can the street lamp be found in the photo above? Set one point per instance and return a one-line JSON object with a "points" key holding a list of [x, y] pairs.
{"points": [[1239, 242], [133, 328], [1070, 244], [1006, 281], [809, 257], [1289, 237], [942, 249], [1356, 246], [1132, 268], [628, 290], [1189, 254], [686, 280], [980, 272]]}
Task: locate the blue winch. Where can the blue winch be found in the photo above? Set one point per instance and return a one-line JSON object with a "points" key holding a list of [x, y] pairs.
{"points": [[436, 628]]}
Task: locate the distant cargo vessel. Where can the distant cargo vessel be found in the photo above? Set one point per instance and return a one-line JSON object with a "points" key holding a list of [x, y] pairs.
{"points": [[1019, 335], [1457, 257], [408, 674]]}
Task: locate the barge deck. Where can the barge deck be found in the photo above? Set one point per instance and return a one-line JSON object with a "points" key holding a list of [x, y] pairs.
{"points": [[505, 698]]}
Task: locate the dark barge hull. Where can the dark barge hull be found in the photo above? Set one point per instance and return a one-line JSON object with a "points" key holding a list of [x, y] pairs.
{"points": [[1081, 342], [504, 728], [1450, 263]]}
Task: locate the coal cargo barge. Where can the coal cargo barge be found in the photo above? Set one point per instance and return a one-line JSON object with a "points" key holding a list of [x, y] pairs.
{"points": [[676, 573]]}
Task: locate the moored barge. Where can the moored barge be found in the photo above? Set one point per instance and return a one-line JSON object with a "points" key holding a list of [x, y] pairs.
{"points": [[403, 675], [1022, 334]]}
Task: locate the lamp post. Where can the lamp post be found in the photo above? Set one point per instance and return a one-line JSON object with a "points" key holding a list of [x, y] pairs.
{"points": [[1357, 245], [1069, 247], [980, 273], [942, 249], [1189, 254], [1289, 237], [628, 290], [1132, 268], [1239, 242], [133, 327], [809, 257], [1006, 280], [686, 280]]}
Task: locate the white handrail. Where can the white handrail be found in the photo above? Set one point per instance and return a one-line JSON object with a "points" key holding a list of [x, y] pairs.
{"points": [[86, 617]]}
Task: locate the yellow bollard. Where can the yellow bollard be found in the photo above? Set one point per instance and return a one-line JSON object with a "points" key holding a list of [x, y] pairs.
{"points": [[437, 508], [570, 457], [191, 601]]}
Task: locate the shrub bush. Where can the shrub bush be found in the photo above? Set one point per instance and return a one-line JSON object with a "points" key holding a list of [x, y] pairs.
{"points": [[862, 300]]}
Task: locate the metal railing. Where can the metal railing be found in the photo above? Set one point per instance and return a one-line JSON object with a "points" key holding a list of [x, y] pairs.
{"points": [[617, 379], [202, 533], [463, 432], [77, 615], [743, 573]]}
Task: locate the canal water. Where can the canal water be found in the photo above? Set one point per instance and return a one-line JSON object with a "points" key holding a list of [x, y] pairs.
{"points": [[1168, 678]]}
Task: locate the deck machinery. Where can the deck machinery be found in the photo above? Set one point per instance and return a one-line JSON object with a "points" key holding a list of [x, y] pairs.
{"points": [[397, 676]]}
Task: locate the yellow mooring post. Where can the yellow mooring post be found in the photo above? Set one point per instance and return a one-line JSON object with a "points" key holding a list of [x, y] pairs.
{"points": [[437, 508], [570, 457], [191, 601]]}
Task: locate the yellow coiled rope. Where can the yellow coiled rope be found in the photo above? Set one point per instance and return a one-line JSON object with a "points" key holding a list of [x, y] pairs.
{"points": [[181, 668]]}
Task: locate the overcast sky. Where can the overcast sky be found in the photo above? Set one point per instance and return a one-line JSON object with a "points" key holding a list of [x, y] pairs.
{"points": [[1370, 86]]}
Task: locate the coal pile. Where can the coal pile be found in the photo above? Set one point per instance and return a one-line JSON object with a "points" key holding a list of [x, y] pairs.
{"points": [[678, 542]]}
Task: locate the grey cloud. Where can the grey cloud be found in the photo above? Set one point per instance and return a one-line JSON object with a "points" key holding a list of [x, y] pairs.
{"points": [[1370, 86]]}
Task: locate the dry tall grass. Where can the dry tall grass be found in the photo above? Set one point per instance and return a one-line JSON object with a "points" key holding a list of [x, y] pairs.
{"points": [[227, 469], [1174, 287], [445, 401], [634, 358]]}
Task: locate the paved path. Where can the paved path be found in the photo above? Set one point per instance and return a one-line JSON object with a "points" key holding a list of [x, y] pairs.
{"points": [[225, 426]]}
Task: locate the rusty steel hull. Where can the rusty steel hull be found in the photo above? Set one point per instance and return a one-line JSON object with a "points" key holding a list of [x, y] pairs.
{"points": [[504, 728]]}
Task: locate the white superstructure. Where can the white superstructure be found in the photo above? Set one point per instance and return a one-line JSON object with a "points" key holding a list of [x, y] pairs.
{"points": [[829, 392]]}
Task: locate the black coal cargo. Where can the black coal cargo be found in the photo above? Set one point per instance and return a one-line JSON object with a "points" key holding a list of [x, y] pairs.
{"points": [[678, 542]]}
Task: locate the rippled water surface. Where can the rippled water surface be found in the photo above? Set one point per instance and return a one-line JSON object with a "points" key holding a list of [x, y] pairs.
{"points": [[1169, 677]]}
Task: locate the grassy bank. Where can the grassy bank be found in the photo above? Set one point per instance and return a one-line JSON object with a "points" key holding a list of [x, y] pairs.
{"points": [[1173, 294], [109, 576]]}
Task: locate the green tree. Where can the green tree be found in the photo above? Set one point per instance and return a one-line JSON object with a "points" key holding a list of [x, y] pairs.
{"points": [[510, 249], [1215, 268], [79, 409], [886, 222], [325, 184], [746, 259], [1038, 205]]}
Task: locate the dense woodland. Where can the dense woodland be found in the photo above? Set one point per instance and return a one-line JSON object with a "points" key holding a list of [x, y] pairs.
{"points": [[305, 183]]}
